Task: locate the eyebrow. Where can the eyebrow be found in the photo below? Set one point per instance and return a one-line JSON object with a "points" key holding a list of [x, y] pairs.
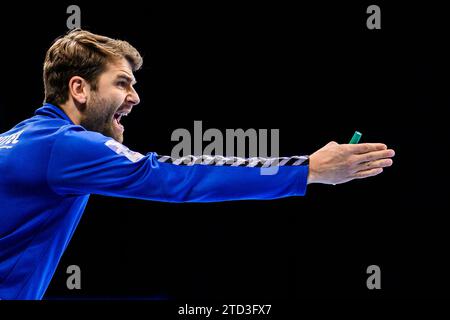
{"points": [[127, 78]]}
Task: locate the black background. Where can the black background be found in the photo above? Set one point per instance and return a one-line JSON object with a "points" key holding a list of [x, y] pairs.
{"points": [[313, 71]]}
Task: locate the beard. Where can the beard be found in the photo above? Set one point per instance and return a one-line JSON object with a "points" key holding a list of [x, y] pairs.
{"points": [[99, 117]]}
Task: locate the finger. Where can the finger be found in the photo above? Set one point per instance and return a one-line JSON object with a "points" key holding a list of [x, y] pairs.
{"points": [[383, 163], [375, 155], [367, 173], [366, 147]]}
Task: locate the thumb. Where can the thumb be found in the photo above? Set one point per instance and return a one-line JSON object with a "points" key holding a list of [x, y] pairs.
{"points": [[332, 143]]}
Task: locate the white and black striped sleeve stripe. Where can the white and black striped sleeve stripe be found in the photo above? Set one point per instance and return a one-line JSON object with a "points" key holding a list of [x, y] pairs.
{"points": [[257, 162]]}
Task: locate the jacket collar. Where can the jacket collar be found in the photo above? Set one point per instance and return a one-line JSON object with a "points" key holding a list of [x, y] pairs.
{"points": [[52, 111]]}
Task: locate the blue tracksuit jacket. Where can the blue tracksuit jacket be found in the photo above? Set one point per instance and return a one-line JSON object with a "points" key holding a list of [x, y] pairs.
{"points": [[49, 167]]}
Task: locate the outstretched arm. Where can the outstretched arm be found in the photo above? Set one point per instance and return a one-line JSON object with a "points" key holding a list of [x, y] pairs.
{"points": [[84, 162]]}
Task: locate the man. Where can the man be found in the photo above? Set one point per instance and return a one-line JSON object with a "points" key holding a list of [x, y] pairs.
{"points": [[72, 147]]}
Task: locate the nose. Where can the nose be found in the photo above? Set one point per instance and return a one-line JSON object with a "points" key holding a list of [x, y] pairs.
{"points": [[133, 97]]}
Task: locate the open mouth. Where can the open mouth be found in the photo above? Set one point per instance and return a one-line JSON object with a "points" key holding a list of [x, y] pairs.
{"points": [[118, 117]]}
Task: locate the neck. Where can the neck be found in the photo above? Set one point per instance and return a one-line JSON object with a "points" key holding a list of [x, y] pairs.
{"points": [[71, 111]]}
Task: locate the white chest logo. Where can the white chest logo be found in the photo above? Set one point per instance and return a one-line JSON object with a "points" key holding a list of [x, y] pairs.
{"points": [[7, 142]]}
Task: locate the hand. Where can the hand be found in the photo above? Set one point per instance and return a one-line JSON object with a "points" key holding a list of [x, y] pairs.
{"points": [[339, 163]]}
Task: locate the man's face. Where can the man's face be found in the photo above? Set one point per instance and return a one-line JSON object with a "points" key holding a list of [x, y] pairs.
{"points": [[113, 99]]}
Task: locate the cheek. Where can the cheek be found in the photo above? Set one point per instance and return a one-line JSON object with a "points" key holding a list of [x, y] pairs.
{"points": [[114, 98], [119, 96]]}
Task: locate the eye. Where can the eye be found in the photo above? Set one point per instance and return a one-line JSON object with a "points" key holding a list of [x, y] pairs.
{"points": [[123, 83]]}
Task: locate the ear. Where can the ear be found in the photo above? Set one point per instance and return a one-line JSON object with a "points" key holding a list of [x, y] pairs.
{"points": [[78, 89]]}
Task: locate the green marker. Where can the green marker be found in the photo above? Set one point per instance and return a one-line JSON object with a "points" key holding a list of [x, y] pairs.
{"points": [[356, 136]]}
